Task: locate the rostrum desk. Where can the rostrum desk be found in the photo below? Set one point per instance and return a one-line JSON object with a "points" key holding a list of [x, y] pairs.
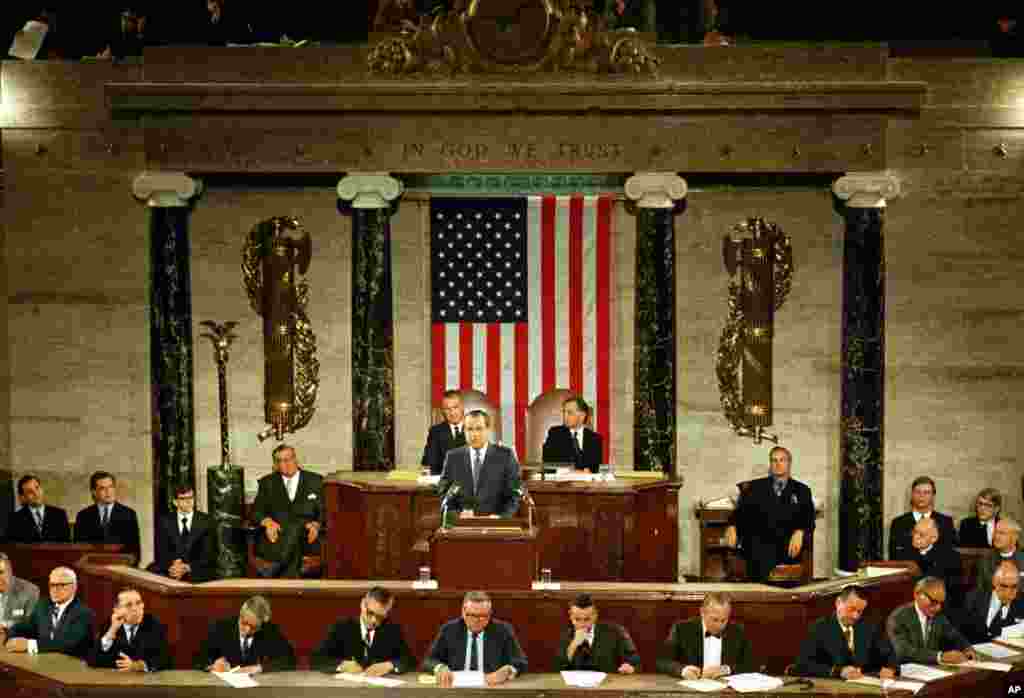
{"points": [[59, 676], [599, 531], [775, 619]]}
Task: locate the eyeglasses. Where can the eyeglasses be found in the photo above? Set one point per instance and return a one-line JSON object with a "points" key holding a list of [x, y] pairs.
{"points": [[986, 505], [58, 585], [478, 616], [932, 600]]}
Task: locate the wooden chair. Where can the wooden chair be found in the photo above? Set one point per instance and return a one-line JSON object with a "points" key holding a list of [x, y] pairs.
{"points": [[312, 565], [475, 400]]}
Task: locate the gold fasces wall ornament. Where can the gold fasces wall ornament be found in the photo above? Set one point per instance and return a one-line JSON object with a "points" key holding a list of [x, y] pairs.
{"points": [[276, 252], [512, 36], [744, 360]]}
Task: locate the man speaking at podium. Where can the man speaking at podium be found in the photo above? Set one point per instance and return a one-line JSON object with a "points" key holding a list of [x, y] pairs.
{"points": [[481, 477]]}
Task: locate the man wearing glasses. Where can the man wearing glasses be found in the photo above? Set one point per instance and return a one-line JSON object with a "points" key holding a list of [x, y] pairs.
{"points": [[919, 632], [475, 642], [60, 624], [369, 644], [987, 613], [1004, 543]]}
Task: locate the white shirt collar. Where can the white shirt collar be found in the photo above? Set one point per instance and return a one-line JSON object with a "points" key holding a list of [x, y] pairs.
{"points": [[61, 607], [921, 618], [927, 550], [993, 607], [918, 515], [482, 449], [1008, 555]]}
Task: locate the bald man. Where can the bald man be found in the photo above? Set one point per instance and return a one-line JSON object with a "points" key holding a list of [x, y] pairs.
{"points": [[986, 613], [920, 632], [934, 559], [1004, 544]]}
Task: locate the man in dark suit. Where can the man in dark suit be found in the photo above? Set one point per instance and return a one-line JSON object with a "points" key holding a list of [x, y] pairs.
{"points": [[587, 645], [289, 509], [571, 442], [936, 560], [36, 522], [919, 632], [17, 596], [247, 643], [772, 518], [707, 647], [922, 506], [843, 645], [61, 623], [475, 642], [978, 531], [487, 475], [1004, 544], [369, 644], [985, 614], [132, 640], [108, 521], [186, 545], [447, 435]]}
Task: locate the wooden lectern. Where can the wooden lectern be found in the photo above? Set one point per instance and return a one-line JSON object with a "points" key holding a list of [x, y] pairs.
{"points": [[485, 553]]}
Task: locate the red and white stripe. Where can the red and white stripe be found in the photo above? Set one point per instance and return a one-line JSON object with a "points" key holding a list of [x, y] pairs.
{"points": [[566, 340]]}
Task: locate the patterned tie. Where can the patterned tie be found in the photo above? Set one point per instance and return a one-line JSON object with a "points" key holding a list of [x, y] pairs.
{"points": [[474, 660], [779, 486], [39, 519], [105, 519], [54, 618], [476, 468], [848, 632], [367, 643]]}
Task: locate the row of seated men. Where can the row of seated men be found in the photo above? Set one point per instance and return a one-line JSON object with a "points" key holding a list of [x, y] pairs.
{"points": [[841, 645]]}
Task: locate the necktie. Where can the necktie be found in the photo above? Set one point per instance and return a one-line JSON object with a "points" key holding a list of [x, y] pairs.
{"points": [[246, 648], [585, 654], [54, 618], [848, 632], [129, 631], [367, 643], [184, 527], [716, 635], [458, 434], [996, 626], [476, 467], [105, 519], [474, 660], [578, 441], [927, 631], [779, 485], [39, 518]]}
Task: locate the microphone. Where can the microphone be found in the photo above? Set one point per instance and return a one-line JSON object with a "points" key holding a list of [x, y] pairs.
{"points": [[452, 491]]}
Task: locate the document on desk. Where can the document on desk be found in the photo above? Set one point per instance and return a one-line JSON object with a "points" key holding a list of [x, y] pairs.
{"points": [[991, 649], [753, 682], [584, 679], [1013, 641], [1015, 630], [703, 685], [889, 684], [468, 679], [990, 666], [235, 679], [922, 672], [370, 680]]}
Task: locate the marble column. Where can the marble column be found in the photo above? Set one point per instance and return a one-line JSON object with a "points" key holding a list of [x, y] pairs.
{"points": [[657, 195], [370, 198], [168, 194], [861, 198]]}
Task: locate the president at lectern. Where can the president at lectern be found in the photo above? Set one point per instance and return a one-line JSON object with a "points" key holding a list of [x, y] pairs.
{"points": [[481, 477]]}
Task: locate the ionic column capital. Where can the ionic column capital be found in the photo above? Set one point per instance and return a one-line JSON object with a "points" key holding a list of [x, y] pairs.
{"points": [[656, 189], [867, 189], [370, 189], [165, 189]]}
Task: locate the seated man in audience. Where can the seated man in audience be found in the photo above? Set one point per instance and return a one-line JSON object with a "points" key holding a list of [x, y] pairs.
{"points": [[447, 435], [132, 640], [289, 509], [922, 506], [919, 632], [977, 531], [108, 521], [845, 646], [571, 441], [369, 644], [247, 643], [708, 647], [17, 596], [61, 623], [935, 560], [772, 518], [475, 642], [487, 475], [1005, 548], [36, 522], [587, 645], [186, 545], [986, 613]]}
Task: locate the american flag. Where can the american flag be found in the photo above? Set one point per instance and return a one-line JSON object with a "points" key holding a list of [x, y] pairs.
{"points": [[522, 303]]}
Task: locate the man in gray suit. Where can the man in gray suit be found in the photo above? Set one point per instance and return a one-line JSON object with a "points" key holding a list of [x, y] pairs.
{"points": [[17, 596], [481, 477], [289, 510], [919, 632]]}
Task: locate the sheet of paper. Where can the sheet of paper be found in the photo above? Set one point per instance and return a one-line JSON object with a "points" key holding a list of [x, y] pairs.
{"points": [[990, 666], [546, 586], [703, 685], [586, 679], [235, 679], [882, 571], [752, 682], [921, 672], [1013, 641], [991, 649], [428, 479], [29, 40], [431, 584], [887, 684], [1015, 630], [371, 680], [468, 679]]}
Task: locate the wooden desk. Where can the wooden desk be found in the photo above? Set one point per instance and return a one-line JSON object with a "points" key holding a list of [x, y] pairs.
{"points": [[602, 531], [775, 619], [35, 561], [58, 676]]}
